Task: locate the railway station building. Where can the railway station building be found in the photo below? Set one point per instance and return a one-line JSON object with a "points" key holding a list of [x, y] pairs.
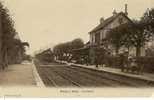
{"points": [[99, 33]]}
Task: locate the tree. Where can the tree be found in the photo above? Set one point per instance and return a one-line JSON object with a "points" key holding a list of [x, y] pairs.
{"points": [[8, 46], [148, 16], [77, 43], [116, 37], [63, 51], [144, 29], [130, 34], [7, 34], [140, 36], [148, 19]]}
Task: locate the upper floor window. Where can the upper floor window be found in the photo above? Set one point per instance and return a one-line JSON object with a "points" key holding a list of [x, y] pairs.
{"points": [[97, 38], [121, 20]]}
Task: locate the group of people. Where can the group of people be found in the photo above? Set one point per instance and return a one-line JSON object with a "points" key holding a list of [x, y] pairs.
{"points": [[129, 63], [102, 59]]}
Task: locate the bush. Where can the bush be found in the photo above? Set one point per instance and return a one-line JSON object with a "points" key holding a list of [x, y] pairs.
{"points": [[147, 62]]}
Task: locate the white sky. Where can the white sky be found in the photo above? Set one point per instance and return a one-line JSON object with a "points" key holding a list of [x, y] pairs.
{"points": [[47, 22]]}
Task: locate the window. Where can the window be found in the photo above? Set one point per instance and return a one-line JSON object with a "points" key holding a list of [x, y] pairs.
{"points": [[97, 38], [121, 20]]}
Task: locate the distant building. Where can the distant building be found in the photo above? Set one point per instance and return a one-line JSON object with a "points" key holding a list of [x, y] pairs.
{"points": [[46, 55]]}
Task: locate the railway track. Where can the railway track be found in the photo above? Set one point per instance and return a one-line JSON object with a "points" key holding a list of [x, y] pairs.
{"points": [[49, 78], [123, 81], [58, 75], [46, 78], [67, 78], [54, 79], [78, 78], [102, 81]]}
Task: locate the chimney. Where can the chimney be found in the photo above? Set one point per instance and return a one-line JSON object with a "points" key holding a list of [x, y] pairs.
{"points": [[148, 11], [126, 10], [101, 20], [114, 12]]}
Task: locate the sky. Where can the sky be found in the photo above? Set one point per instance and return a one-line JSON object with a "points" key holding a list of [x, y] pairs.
{"points": [[45, 23]]}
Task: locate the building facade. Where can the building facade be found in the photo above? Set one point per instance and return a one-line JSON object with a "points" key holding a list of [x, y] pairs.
{"points": [[99, 33]]}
